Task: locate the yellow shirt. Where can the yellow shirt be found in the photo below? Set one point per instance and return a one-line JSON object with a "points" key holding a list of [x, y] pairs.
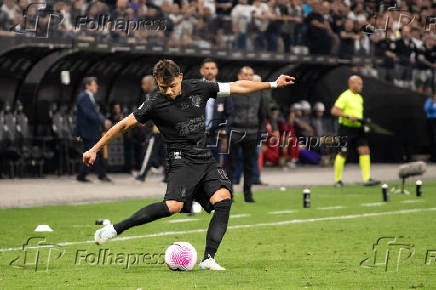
{"points": [[351, 104]]}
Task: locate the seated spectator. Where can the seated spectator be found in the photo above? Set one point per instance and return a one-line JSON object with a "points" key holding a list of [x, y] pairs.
{"points": [[290, 145], [302, 118]]}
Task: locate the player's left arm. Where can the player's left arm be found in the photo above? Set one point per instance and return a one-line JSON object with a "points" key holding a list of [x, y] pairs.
{"points": [[246, 87]]}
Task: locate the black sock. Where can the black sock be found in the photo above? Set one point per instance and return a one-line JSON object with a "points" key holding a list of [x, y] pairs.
{"points": [[217, 227], [145, 215]]}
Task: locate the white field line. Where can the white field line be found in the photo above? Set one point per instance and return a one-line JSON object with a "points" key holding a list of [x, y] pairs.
{"points": [[84, 226], [372, 204], [182, 221], [242, 215], [282, 211], [331, 207], [412, 200], [282, 223]]}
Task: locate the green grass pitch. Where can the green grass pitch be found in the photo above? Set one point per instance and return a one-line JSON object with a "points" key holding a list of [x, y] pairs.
{"points": [[327, 246]]}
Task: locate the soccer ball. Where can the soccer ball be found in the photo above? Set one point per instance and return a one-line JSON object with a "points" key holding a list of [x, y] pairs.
{"points": [[181, 256]]}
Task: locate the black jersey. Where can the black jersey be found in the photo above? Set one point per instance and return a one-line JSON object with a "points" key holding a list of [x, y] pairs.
{"points": [[181, 121]]}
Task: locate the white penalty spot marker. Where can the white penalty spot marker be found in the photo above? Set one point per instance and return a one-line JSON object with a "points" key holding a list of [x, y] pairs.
{"points": [[182, 221], [282, 212], [372, 204]]}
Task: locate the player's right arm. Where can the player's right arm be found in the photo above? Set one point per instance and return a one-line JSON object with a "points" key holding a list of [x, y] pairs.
{"points": [[116, 131]]}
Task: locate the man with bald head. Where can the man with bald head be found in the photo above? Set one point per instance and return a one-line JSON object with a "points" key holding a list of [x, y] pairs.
{"points": [[349, 109], [247, 125]]}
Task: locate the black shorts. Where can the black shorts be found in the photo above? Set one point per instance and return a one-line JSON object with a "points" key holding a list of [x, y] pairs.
{"points": [[353, 137], [190, 181]]}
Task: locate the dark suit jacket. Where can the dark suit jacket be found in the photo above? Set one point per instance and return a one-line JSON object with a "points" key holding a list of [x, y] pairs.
{"points": [[222, 114], [89, 121]]}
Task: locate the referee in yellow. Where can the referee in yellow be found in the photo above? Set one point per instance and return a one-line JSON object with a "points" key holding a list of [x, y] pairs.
{"points": [[349, 109]]}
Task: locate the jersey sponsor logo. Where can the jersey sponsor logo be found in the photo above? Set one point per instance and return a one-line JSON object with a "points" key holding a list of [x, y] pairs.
{"points": [[194, 125]]}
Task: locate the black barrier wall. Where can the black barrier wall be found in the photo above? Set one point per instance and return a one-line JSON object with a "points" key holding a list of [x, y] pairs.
{"points": [[119, 75]]}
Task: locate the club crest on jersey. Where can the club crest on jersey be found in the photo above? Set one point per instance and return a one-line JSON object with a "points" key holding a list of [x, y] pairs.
{"points": [[196, 100]]}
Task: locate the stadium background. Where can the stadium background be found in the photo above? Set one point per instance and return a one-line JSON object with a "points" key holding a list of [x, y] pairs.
{"points": [[31, 66]]}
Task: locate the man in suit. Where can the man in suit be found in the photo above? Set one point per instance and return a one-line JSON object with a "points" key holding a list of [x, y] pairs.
{"points": [[219, 113], [89, 125]]}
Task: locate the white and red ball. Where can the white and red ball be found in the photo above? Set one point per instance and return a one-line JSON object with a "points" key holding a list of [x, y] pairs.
{"points": [[181, 256]]}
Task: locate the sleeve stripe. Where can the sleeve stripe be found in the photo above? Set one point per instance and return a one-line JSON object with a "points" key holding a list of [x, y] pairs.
{"points": [[224, 89]]}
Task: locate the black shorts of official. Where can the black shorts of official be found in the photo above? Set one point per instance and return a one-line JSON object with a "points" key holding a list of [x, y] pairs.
{"points": [[351, 138], [189, 181]]}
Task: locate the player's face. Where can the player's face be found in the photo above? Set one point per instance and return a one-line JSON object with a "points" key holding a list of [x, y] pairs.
{"points": [[171, 89], [209, 71]]}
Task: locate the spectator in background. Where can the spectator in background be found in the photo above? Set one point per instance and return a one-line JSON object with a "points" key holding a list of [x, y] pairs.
{"points": [[303, 118], [319, 39], [223, 10], [319, 123], [290, 132], [384, 47], [404, 48], [10, 9], [176, 18], [241, 18], [116, 113], [430, 109], [248, 124], [348, 38], [89, 127], [270, 151], [425, 66], [260, 15]]}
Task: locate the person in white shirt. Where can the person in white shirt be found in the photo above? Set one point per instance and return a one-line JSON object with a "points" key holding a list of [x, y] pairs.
{"points": [[241, 17]]}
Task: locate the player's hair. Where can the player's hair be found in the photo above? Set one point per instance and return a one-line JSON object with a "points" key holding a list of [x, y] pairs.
{"points": [[165, 70], [207, 60], [88, 80]]}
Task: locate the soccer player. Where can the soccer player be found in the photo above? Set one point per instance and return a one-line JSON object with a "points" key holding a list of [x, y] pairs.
{"points": [[349, 109], [178, 110]]}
